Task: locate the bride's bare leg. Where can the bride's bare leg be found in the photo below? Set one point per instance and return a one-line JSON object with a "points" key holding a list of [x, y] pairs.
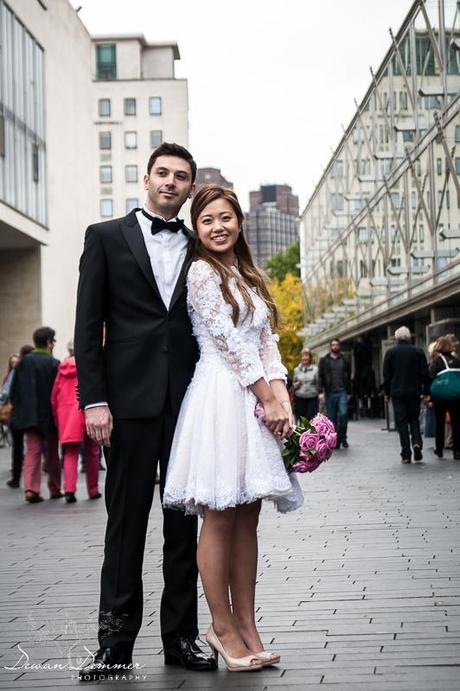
{"points": [[243, 573], [213, 558]]}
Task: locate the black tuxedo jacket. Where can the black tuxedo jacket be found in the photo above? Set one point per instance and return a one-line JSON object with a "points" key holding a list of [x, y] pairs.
{"points": [[149, 351]]}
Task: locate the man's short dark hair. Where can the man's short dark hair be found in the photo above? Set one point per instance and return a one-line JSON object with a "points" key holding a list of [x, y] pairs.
{"points": [[172, 149], [334, 339], [42, 336]]}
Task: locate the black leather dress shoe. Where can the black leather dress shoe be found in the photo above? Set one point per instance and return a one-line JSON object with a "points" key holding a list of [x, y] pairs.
{"points": [[187, 653], [107, 663]]}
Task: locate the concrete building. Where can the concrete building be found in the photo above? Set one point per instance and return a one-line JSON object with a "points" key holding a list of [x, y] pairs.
{"points": [[46, 163], [380, 235], [207, 176], [137, 104], [272, 223]]}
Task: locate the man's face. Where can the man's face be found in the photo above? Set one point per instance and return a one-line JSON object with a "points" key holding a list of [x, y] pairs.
{"points": [[168, 185], [335, 347]]}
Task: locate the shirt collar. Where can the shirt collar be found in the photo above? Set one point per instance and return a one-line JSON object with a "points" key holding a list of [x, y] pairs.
{"points": [[154, 215]]}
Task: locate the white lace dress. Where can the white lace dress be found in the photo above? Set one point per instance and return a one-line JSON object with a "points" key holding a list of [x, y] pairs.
{"points": [[222, 455]]}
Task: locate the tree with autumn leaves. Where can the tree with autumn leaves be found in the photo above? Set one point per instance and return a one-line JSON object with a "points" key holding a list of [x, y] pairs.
{"points": [[286, 289]]}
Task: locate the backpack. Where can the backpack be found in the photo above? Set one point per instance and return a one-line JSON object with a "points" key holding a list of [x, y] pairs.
{"points": [[446, 384]]}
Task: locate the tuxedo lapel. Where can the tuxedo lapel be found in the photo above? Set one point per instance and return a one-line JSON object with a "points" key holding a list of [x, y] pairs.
{"points": [[181, 281], [135, 240]]}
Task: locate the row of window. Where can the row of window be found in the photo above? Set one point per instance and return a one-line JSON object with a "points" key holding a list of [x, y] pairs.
{"points": [[105, 174], [106, 206], [129, 106], [105, 139]]}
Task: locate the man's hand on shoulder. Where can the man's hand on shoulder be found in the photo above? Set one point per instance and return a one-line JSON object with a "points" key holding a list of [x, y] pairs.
{"points": [[99, 423]]}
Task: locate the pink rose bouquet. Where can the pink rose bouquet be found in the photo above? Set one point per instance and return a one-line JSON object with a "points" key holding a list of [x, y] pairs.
{"points": [[310, 444]]}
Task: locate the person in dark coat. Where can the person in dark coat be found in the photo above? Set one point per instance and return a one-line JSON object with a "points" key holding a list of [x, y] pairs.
{"points": [[334, 381], [30, 396], [405, 380], [444, 355]]}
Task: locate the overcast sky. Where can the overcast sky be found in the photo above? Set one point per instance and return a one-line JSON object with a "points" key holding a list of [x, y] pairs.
{"points": [[270, 81]]}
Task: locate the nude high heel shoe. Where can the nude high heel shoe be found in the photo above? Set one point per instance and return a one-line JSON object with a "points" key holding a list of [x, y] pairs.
{"points": [[234, 664], [267, 658]]}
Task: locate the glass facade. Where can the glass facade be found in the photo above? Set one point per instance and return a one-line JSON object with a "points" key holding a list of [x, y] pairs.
{"points": [[106, 61], [22, 119]]}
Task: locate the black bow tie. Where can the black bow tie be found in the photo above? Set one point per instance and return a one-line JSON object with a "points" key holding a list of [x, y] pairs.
{"points": [[159, 224]]}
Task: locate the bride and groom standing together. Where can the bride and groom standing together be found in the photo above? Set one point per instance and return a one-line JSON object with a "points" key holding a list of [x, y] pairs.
{"points": [[188, 351]]}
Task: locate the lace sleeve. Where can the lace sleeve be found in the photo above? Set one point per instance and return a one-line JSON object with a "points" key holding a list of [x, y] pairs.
{"points": [[270, 355], [206, 299]]}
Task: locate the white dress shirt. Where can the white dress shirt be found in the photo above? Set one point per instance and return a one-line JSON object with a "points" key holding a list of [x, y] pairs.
{"points": [[167, 252]]}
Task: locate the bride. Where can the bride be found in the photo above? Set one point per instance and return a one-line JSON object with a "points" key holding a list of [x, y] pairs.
{"points": [[223, 459]]}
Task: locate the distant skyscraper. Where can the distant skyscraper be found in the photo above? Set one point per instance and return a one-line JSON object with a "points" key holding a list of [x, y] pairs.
{"points": [[272, 223], [207, 176]]}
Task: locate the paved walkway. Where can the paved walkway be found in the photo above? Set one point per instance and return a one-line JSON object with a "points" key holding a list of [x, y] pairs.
{"points": [[359, 590]]}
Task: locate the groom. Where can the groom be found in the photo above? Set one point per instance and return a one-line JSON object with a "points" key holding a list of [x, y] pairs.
{"points": [[132, 282]]}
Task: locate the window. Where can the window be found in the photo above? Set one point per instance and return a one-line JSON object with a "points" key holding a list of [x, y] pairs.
{"points": [[130, 106], [439, 166], [104, 107], [105, 140], [131, 204], [131, 173], [457, 166], [156, 138], [106, 61], [105, 174], [106, 207], [457, 133], [403, 100], [408, 136], [35, 162], [424, 55], [413, 196], [395, 199], [337, 203], [130, 140], [155, 105]]}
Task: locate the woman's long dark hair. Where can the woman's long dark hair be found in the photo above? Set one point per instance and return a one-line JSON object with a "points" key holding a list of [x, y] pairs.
{"points": [[251, 274]]}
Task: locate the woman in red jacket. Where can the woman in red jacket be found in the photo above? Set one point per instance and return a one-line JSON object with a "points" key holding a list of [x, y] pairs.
{"points": [[70, 421]]}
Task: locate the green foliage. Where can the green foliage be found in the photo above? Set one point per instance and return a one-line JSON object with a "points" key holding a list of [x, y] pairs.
{"points": [[284, 262]]}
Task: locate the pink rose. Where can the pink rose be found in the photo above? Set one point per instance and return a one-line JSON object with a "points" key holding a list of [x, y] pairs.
{"points": [[308, 441], [322, 424], [306, 465], [322, 450], [331, 440]]}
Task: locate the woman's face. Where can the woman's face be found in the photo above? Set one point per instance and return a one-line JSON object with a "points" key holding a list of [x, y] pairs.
{"points": [[218, 229], [13, 361], [305, 359]]}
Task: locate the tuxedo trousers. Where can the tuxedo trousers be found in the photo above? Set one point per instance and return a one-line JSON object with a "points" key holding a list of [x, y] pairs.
{"points": [[137, 446]]}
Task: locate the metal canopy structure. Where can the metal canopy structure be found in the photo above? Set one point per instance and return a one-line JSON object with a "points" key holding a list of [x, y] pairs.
{"points": [[380, 236]]}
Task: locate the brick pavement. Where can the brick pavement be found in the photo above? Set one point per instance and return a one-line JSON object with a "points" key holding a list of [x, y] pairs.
{"points": [[358, 590]]}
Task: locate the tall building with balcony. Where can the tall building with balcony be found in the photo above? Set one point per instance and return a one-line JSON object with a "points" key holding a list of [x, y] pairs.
{"points": [[46, 161], [380, 235], [272, 223], [137, 104]]}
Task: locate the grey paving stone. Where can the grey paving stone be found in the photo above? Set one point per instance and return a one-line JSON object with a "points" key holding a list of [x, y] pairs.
{"points": [[358, 590]]}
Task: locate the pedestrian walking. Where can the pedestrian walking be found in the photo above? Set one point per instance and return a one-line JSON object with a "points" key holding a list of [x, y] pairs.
{"points": [[132, 278], [334, 379], [445, 358], [222, 465], [30, 395], [405, 380], [70, 422], [17, 437], [305, 384]]}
